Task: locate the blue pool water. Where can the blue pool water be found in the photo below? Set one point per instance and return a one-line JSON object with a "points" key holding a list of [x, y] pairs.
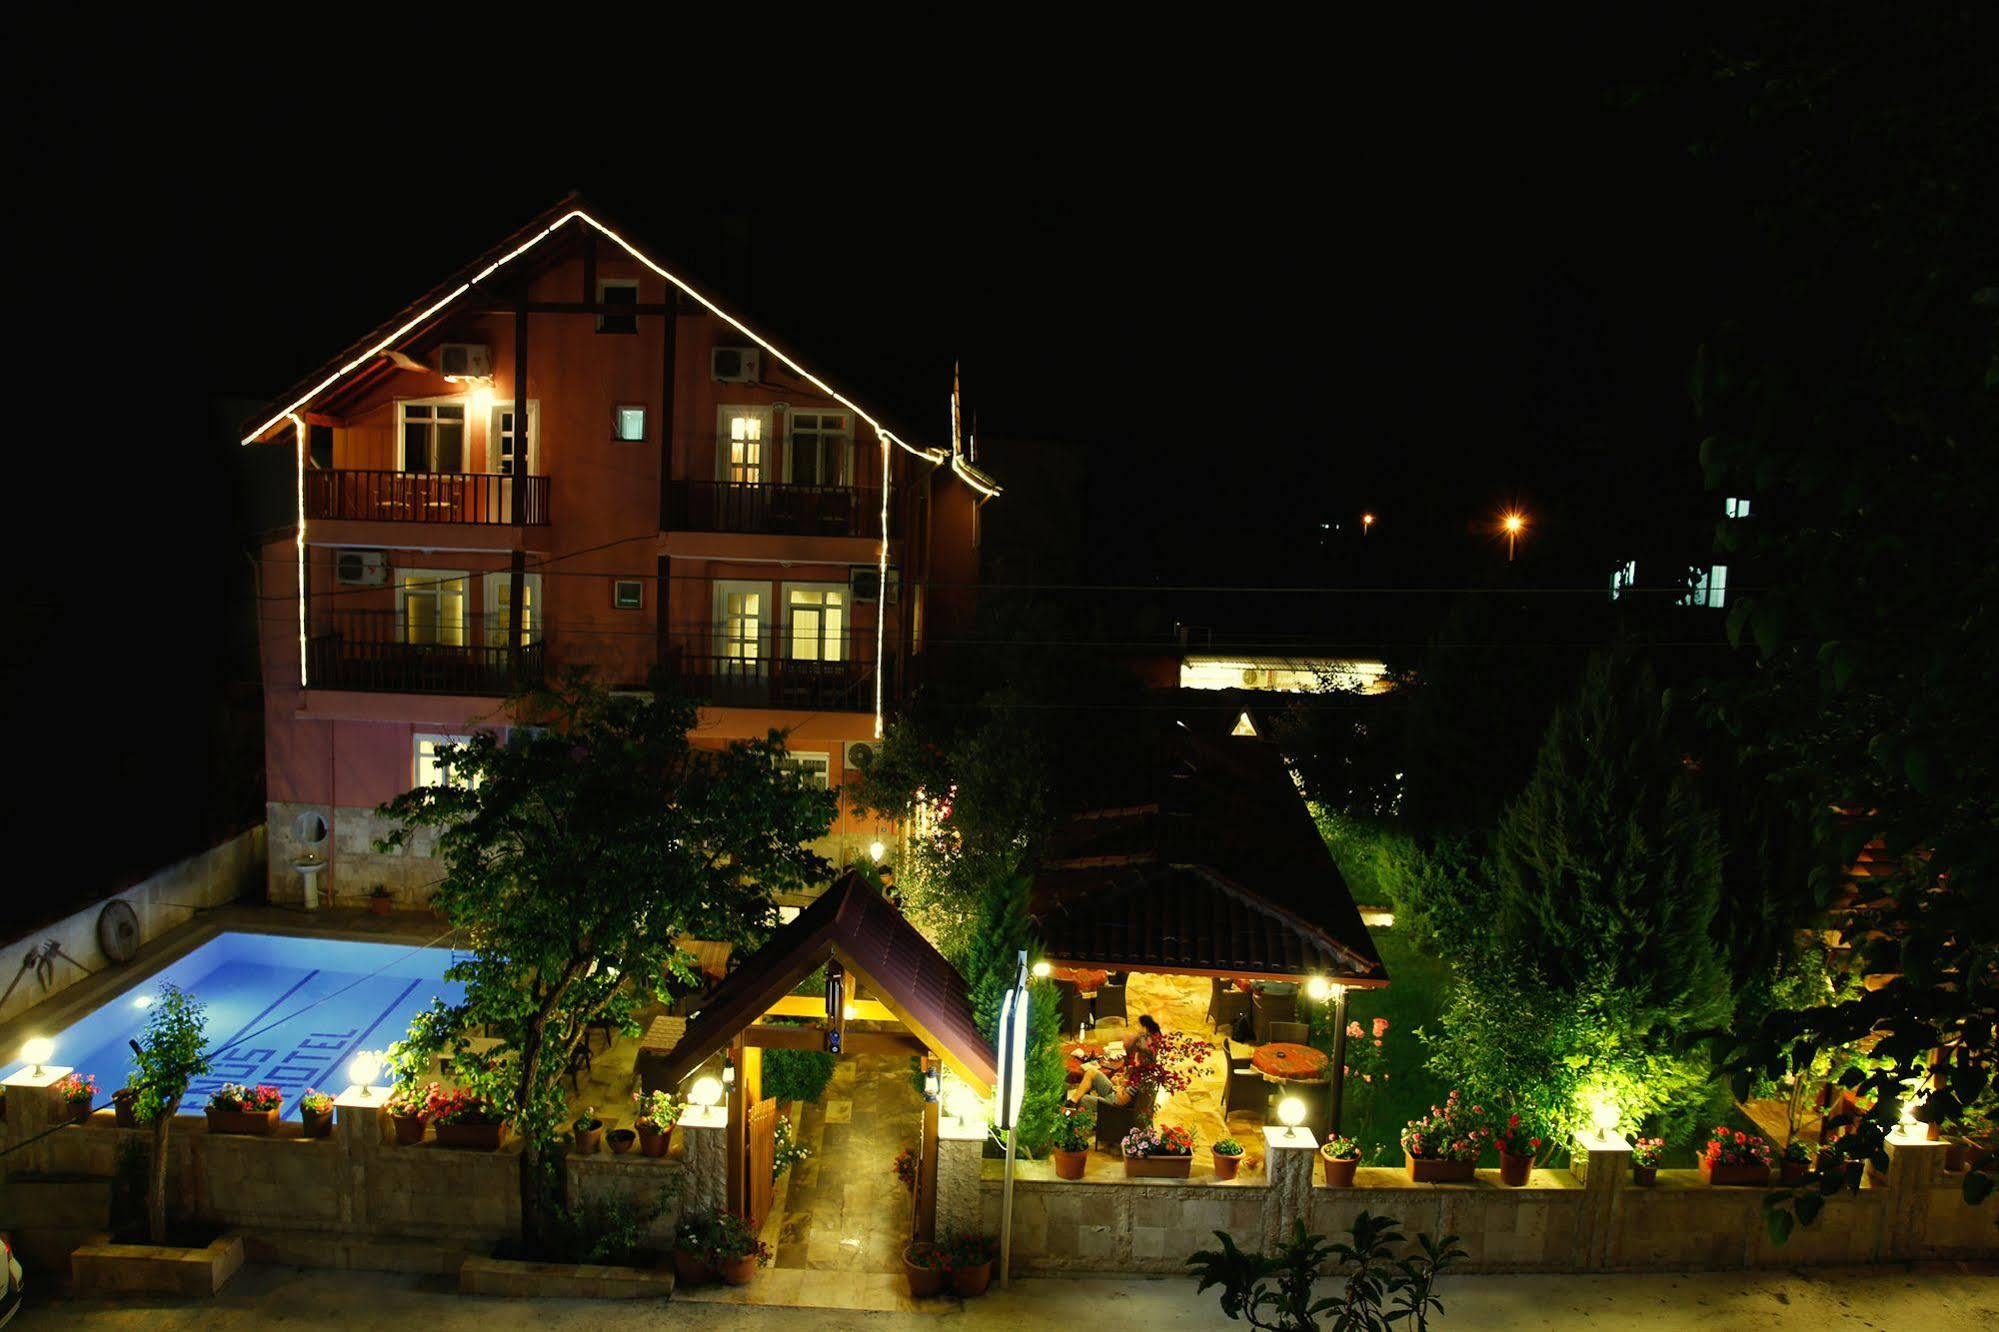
{"points": [[287, 1011]]}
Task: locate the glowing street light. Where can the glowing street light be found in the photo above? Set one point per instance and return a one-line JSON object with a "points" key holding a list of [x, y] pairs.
{"points": [[1292, 1111], [1512, 523], [1366, 523]]}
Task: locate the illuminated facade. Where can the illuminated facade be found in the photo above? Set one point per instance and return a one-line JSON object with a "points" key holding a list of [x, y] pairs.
{"points": [[567, 457]]}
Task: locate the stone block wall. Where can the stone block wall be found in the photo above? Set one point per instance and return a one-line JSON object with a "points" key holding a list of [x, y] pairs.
{"points": [[354, 868]]}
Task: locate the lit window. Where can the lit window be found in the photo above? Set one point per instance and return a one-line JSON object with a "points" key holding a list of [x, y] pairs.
{"points": [[628, 594], [617, 293], [433, 436], [1623, 579], [742, 623], [430, 769], [430, 607], [1709, 587], [820, 448], [1735, 508], [742, 437], [500, 608], [628, 424], [816, 769], [816, 623]]}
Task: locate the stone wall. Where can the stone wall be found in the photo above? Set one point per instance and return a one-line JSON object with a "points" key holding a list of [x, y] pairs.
{"points": [[354, 868], [163, 901], [1586, 1218]]}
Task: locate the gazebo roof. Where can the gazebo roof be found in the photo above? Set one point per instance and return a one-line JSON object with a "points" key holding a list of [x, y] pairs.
{"points": [[851, 924]]}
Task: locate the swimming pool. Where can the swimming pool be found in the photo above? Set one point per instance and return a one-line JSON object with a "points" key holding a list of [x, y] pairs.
{"points": [[283, 1010]]}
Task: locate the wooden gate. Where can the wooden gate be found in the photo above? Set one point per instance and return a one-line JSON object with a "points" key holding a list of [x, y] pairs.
{"points": [[758, 1160]]}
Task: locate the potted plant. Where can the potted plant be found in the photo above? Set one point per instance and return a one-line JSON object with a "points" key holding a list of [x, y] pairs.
{"points": [[1646, 1154], [239, 1109], [735, 1250], [923, 1265], [692, 1234], [315, 1112], [656, 1113], [464, 1119], [1734, 1157], [1443, 1146], [622, 1141], [587, 1132], [74, 1092], [1158, 1151], [381, 900], [969, 1259], [1071, 1143], [125, 1107], [1794, 1163], [1342, 1158], [1228, 1158], [408, 1112], [1518, 1147]]}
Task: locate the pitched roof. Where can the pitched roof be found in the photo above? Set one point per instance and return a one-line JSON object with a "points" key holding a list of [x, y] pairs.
{"points": [[850, 922], [370, 351]]}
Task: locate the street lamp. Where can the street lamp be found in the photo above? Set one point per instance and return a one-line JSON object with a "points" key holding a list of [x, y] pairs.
{"points": [[1366, 523], [1512, 523]]}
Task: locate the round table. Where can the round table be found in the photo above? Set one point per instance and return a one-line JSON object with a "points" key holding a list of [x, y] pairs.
{"points": [[1091, 1049], [1085, 980], [1284, 1061]]}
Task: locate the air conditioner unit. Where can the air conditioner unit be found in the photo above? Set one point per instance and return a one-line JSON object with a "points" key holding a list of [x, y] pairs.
{"points": [[464, 360], [864, 583], [734, 365], [361, 568], [858, 754]]}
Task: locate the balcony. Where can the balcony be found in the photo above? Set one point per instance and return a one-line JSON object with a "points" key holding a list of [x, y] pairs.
{"points": [[778, 682], [369, 651], [772, 509], [478, 498]]}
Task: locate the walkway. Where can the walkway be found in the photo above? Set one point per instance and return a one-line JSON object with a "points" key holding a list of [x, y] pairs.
{"points": [[845, 1211]]}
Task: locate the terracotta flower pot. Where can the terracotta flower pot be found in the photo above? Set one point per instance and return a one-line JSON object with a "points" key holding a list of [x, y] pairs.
{"points": [[969, 1281], [588, 1140], [1226, 1165], [409, 1129], [1339, 1174], [1754, 1174], [1515, 1170], [1070, 1165], [315, 1126], [125, 1107], [258, 1122], [1436, 1170], [1644, 1176], [1157, 1167], [654, 1141], [75, 1112], [473, 1137], [622, 1141], [1792, 1172], [380, 904], [737, 1271], [691, 1269], [1961, 1154], [924, 1281]]}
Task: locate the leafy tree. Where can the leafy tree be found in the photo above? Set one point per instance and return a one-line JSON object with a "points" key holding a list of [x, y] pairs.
{"points": [[171, 1054], [574, 856]]}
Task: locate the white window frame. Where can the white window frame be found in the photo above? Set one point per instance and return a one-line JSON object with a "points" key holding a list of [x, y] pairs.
{"points": [[839, 644], [430, 583], [722, 637], [496, 589], [637, 605], [618, 410], [464, 441], [493, 433], [844, 464], [622, 284], [1709, 588], [1623, 579], [419, 761], [1735, 507], [724, 434], [815, 766]]}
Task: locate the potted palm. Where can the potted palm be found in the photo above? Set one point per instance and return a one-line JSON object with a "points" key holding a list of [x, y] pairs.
{"points": [[656, 1114], [1443, 1146], [587, 1132], [465, 1120], [1342, 1158], [75, 1092], [969, 1259], [239, 1109], [408, 1112], [923, 1266], [1158, 1151], [315, 1112], [1071, 1144], [1518, 1147], [1228, 1158], [735, 1250], [1646, 1153], [1734, 1157]]}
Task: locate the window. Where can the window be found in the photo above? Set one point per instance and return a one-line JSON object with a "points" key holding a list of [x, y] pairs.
{"points": [[500, 611], [430, 606], [628, 423], [504, 441], [820, 448], [429, 771], [1623, 579], [741, 614], [628, 594], [816, 769], [1709, 587], [319, 445], [816, 623], [618, 292], [433, 436], [741, 435], [1735, 508]]}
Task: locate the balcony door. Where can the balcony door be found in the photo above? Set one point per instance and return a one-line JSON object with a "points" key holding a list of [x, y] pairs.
{"points": [[815, 627], [432, 434], [742, 434], [819, 449], [500, 610], [430, 606], [503, 441], [742, 623]]}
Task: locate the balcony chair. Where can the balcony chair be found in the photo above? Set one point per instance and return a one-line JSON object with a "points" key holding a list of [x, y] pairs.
{"points": [[1110, 1001], [1271, 1008], [1075, 1008], [1295, 1033], [1113, 1122], [1231, 1006], [1246, 1091]]}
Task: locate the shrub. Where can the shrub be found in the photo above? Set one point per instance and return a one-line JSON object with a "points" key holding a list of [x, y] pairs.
{"points": [[1453, 1131], [796, 1075], [1074, 1131], [659, 1109], [789, 1150], [1227, 1147], [968, 1251], [1379, 1288], [606, 1229]]}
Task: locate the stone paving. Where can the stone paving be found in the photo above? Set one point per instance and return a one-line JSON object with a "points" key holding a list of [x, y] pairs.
{"points": [[845, 1211]]}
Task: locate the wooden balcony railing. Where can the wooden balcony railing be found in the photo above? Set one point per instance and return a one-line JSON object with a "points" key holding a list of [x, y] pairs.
{"points": [[782, 510], [370, 651], [778, 682], [425, 497]]}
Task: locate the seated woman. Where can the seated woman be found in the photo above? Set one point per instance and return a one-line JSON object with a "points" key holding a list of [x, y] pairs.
{"points": [[1095, 1089], [1145, 1049]]}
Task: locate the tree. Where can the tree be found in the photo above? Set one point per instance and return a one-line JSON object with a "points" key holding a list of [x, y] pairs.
{"points": [[170, 1055], [574, 857], [991, 967]]}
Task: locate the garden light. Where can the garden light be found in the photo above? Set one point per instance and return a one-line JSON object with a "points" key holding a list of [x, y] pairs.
{"points": [[143, 1001], [931, 1090], [1907, 1128], [706, 1093], [1292, 1111], [1605, 1114], [1042, 969], [876, 850], [1319, 988], [363, 1069], [38, 1050]]}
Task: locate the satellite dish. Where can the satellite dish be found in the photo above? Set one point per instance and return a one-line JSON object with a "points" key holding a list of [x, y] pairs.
{"points": [[118, 931]]}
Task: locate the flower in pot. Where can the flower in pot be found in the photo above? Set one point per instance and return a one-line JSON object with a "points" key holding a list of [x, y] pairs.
{"points": [[693, 1234], [735, 1250], [1794, 1163], [1342, 1158], [1646, 1153], [74, 1093], [656, 1113], [408, 1109], [236, 1108], [315, 1112], [464, 1119], [587, 1132], [923, 1265], [1228, 1158], [1158, 1151], [1443, 1146], [1519, 1145], [969, 1260], [1070, 1146], [1734, 1157]]}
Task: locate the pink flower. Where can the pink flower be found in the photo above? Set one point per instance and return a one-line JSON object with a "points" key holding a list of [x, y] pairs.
{"points": [[1380, 1028], [1367, 1077], [1354, 1029]]}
